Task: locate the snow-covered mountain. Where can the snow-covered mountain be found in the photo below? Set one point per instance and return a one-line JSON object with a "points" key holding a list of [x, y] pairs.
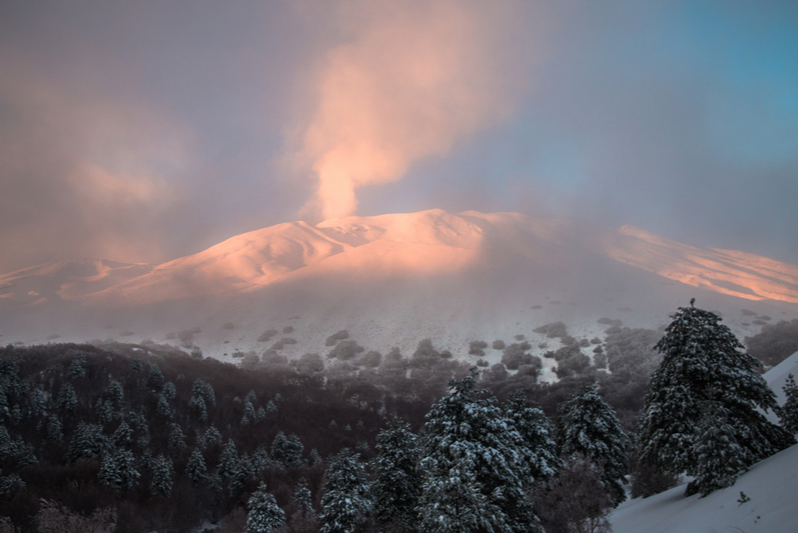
{"points": [[392, 280]]}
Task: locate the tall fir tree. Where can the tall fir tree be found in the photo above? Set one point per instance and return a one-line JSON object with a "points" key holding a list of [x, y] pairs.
{"points": [[287, 450], [588, 427], [263, 512], [303, 499], [705, 373], [196, 468], [118, 470], [476, 467], [163, 471], [397, 485], [537, 433], [345, 494]]}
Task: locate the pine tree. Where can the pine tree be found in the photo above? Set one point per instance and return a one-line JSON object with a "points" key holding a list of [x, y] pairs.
{"points": [[123, 436], [303, 499], [287, 450], [704, 373], [118, 470], [228, 460], [67, 399], [205, 391], [718, 455], [789, 410], [87, 441], [345, 495], [163, 470], [536, 431], [263, 512], [176, 440], [211, 436], [475, 467], [196, 468], [116, 393], [397, 485], [197, 406], [54, 429], [588, 427]]}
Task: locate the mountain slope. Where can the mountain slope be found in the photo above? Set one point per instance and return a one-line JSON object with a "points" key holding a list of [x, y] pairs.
{"points": [[394, 279]]}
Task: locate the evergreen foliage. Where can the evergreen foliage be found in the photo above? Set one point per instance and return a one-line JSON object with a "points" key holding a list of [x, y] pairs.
{"points": [[196, 468], [705, 393], [345, 495], [788, 412], [118, 470], [161, 483], [303, 499], [476, 466], [397, 485], [87, 441], [536, 431], [263, 512], [588, 427], [287, 450]]}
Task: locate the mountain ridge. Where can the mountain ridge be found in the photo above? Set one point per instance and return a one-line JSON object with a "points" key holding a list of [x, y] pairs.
{"points": [[393, 280]]}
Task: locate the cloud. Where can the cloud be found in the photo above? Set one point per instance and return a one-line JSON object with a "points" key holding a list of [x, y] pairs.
{"points": [[413, 78], [81, 175]]}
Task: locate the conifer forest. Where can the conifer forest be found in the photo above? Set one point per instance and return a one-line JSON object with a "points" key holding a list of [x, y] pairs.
{"points": [[141, 438]]}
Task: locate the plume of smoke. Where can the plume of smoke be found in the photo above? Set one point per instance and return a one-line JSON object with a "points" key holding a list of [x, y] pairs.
{"points": [[414, 77]]}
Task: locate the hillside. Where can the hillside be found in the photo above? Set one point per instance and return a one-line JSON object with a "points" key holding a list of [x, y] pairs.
{"points": [[392, 280], [770, 485]]}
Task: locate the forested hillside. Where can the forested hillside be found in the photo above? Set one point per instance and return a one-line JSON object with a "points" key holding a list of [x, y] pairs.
{"points": [[149, 438]]}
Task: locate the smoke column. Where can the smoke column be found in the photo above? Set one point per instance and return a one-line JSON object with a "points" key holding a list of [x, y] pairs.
{"points": [[414, 77]]}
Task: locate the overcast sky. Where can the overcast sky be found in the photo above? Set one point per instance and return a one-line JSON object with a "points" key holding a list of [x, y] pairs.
{"points": [[144, 131]]}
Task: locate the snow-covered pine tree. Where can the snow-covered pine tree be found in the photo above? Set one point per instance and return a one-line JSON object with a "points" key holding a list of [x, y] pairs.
{"points": [[345, 494], [263, 512], [789, 410], [228, 460], [123, 435], [704, 365], [287, 450], [87, 441], [161, 483], [303, 499], [67, 399], [397, 485], [537, 432], [196, 468], [475, 467], [197, 406], [210, 436], [176, 442], [588, 427], [719, 458], [118, 470], [55, 431]]}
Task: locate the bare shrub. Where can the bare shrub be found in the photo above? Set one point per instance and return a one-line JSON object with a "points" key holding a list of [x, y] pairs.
{"points": [[553, 330], [336, 337], [498, 344], [775, 343], [56, 518], [477, 348], [514, 355], [345, 350], [267, 335], [574, 502]]}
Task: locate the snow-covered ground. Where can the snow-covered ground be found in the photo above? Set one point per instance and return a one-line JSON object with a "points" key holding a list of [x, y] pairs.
{"points": [[770, 488]]}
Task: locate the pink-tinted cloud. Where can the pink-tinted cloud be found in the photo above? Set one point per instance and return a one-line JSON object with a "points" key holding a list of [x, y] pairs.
{"points": [[413, 78]]}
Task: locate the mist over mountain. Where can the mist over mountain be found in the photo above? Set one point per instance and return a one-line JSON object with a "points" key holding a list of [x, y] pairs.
{"points": [[392, 280]]}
